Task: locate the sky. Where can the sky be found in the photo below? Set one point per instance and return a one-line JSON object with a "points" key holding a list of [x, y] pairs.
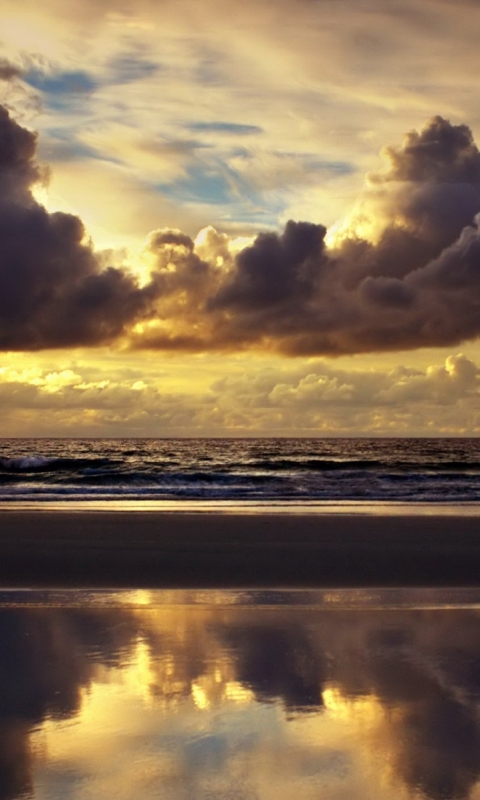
{"points": [[239, 218]]}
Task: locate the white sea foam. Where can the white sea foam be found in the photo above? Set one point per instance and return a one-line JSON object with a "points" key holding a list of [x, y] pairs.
{"points": [[24, 463]]}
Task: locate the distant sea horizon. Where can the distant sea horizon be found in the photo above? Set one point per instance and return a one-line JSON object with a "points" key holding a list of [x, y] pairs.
{"points": [[240, 436]]}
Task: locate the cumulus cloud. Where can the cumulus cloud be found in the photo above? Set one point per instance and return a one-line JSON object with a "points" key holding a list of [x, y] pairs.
{"points": [[307, 399], [441, 152], [323, 398], [403, 271], [54, 290]]}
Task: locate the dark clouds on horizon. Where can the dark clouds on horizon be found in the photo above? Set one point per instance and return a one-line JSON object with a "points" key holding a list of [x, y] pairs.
{"points": [[416, 285]]}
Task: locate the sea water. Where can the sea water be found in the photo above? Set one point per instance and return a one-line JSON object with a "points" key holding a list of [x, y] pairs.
{"points": [[243, 471], [240, 695]]}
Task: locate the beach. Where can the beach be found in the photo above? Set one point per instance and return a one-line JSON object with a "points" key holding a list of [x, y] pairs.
{"points": [[45, 548]]}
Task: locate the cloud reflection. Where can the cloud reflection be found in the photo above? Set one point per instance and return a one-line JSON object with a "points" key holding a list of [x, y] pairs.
{"points": [[47, 657], [238, 698]]}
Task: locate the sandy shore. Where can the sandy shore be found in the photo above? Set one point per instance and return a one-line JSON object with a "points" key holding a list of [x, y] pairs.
{"points": [[120, 549]]}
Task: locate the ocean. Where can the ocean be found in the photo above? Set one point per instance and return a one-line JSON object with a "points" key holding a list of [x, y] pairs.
{"points": [[246, 472]]}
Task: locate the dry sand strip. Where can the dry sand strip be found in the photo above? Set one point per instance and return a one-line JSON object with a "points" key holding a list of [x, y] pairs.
{"points": [[189, 550]]}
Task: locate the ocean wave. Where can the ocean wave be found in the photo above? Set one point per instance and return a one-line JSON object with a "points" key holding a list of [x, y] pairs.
{"points": [[334, 465], [48, 464], [364, 470]]}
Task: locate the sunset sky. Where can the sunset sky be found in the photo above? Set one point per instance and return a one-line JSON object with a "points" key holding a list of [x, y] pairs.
{"points": [[239, 218]]}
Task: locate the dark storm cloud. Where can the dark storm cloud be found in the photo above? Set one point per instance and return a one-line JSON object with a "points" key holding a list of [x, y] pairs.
{"points": [[441, 152], [18, 170], [54, 290], [275, 270], [414, 283], [417, 285]]}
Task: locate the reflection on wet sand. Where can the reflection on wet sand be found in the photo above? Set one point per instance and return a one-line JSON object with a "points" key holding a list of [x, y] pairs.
{"points": [[254, 695]]}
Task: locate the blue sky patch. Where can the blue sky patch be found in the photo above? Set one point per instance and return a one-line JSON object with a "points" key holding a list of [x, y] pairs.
{"points": [[235, 198], [200, 186], [61, 83], [62, 90]]}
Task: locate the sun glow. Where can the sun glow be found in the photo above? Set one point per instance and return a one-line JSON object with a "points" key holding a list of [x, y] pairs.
{"points": [[358, 225]]}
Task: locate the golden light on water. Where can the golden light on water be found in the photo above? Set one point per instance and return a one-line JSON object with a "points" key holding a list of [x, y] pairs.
{"points": [[275, 700]]}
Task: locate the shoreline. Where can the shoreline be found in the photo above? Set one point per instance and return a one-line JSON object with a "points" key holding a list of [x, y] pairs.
{"points": [[300, 508], [44, 548]]}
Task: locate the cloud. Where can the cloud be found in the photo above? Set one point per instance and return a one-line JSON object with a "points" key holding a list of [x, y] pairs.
{"points": [[441, 152], [54, 290], [305, 399], [14, 92], [225, 128], [18, 171], [403, 271], [332, 78], [8, 71], [322, 398]]}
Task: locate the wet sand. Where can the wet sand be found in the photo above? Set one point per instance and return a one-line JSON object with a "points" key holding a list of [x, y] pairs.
{"points": [[191, 550]]}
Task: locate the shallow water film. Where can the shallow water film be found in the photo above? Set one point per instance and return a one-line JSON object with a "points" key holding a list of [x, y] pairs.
{"points": [[240, 695]]}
